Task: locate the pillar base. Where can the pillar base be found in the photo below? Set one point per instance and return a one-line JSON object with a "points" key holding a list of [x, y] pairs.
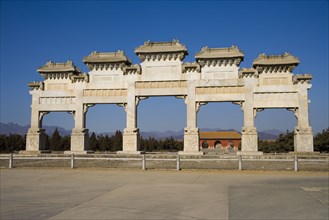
{"points": [[191, 142], [303, 139], [80, 140], [33, 153], [35, 139], [79, 152], [249, 140], [131, 141]]}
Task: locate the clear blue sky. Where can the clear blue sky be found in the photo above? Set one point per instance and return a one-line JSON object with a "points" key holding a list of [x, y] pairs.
{"points": [[34, 32]]}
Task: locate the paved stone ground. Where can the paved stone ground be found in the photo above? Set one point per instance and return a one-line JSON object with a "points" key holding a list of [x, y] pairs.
{"points": [[62, 193]]}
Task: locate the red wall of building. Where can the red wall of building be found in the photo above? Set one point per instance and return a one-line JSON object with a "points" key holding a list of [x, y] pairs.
{"points": [[224, 143]]}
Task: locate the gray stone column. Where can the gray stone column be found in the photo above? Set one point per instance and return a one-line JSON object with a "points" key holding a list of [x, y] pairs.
{"points": [[131, 137], [80, 135], [35, 138], [191, 132], [303, 137]]}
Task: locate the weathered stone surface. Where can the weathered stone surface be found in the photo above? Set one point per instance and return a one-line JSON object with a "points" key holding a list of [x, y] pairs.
{"points": [[214, 77]]}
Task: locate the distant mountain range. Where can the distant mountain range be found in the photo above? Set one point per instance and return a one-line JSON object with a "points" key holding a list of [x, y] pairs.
{"points": [[12, 128]]}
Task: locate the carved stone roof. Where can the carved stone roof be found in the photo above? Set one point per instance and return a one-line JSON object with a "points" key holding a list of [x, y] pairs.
{"points": [[302, 78], [107, 57], [218, 53], [271, 60], [191, 66], [220, 135], [67, 67], [161, 47], [248, 72]]}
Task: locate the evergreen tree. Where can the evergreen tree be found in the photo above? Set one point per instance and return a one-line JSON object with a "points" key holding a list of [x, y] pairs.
{"points": [[118, 141], [93, 142], [321, 141], [55, 142], [66, 143]]}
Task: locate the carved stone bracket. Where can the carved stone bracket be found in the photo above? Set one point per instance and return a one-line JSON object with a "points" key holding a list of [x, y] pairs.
{"points": [[182, 97], [86, 107], [294, 110], [72, 113], [41, 114], [199, 104], [257, 110], [139, 98], [241, 103], [124, 105]]}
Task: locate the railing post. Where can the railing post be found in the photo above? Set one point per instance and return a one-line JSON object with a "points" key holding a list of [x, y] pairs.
{"points": [[72, 161], [143, 162], [240, 163], [11, 160], [178, 162], [296, 162]]}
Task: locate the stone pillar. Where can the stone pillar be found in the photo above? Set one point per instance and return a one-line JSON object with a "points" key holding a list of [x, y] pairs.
{"points": [[303, 137], [191, 132], [80, 135], [35, 138], [249, 139], [131, 137]]}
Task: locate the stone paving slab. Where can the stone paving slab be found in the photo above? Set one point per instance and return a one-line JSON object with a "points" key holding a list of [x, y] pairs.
{"points": [[153, 194]]}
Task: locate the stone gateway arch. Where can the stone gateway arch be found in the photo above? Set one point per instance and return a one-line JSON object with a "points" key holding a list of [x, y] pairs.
{"points": [[215, 76]]}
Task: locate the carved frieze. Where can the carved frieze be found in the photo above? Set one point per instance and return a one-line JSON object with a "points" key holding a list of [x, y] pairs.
{"points": [[56, 86], [161, 84], [275, 81], [57, 100], [104, 92], [219, 90]]}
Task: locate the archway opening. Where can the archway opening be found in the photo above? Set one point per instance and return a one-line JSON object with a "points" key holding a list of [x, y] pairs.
{"points": [[205, 145], [161, 121], [106, 123], [58, 127], [275, 129], [220, 116], [218, 144]]}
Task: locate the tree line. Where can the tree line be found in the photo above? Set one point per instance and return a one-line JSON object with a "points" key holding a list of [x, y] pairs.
{"points": [[55, 142]]}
